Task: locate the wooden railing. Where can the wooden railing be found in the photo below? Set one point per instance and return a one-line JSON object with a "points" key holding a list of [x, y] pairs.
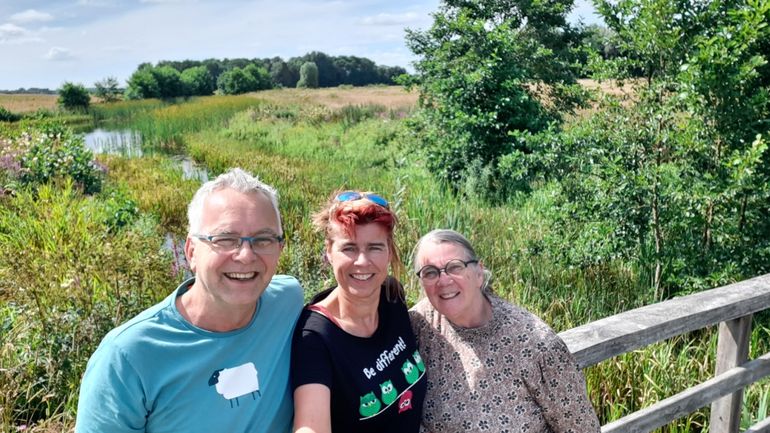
{"points": [[731, 307]]}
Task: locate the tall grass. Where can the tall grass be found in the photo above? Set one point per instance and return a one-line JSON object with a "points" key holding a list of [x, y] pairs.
{"points": [[65, 280], [307, 151]]}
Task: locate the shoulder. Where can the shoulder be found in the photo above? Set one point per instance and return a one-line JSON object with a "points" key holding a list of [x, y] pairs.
{"points": [[158, 317], [424, 319], [528, 327], [423, 313], [285, 289], [285, 284], [422, 308]]}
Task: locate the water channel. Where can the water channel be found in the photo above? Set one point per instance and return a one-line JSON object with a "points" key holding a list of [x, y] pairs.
{"points": [[128, 144]]}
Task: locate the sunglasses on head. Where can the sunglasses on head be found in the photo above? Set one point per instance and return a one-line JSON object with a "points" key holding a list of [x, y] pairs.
{"points": [[355, 195]]}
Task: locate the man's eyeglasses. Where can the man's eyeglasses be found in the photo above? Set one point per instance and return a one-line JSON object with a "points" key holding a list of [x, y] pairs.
{"points": [[263, 244], [430, 273], [355, 195]]}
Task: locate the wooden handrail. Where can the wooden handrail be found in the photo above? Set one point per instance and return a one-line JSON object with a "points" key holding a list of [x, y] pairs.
{"points": [[730, 306]]}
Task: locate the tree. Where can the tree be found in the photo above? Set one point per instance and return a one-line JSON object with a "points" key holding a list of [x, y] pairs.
{"points": [[236, 81], [488, 69], [142, 84], [197, 81], [261, 77], [308, 75], [169, 81], [280, 74], [74, 97], [679, 180], [107, 89]]}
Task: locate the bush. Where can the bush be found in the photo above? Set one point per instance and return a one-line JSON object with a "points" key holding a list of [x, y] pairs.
{"points": [[107, 89], [70, 280], [236, 81], [308, 75], [7, 116], [55, 152], [74, 97]]}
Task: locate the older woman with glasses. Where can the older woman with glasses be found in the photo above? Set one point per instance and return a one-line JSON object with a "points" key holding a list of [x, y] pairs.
{"points": [[492, 366], [355, 365]]}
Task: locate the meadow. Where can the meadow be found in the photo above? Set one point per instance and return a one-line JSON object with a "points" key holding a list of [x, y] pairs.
{"points": [[74, 265]]}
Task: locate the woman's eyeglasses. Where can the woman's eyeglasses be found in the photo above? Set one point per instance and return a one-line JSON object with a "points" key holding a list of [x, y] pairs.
{"points": [[430, 273], [355, 195]]}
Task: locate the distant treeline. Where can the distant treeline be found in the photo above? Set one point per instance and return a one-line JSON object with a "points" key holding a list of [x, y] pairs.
{"points": [[231, 76], [31, 90]]}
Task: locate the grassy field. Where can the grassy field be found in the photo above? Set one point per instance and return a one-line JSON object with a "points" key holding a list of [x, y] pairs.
{"points": [[27, 103], [82, 271], [393, 97]]}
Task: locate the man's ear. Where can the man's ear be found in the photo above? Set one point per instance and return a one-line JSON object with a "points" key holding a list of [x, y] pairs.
{"points": [[189, 252]]}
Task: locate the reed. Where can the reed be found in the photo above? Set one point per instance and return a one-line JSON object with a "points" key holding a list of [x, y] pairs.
{"points": [[60, 258]]}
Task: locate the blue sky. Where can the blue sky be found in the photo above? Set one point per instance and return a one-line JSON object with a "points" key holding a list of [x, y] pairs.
{"points": [[45, 43]]}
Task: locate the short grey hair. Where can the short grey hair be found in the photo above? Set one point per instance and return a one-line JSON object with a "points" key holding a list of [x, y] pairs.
{"points": [[444, 236], [236, 179]]}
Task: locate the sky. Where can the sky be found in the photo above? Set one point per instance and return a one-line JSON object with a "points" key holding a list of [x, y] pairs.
{"points": [[46, 43]]}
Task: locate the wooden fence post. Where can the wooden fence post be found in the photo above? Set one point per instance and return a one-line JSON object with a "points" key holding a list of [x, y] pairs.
{"points": [[732, 351]]}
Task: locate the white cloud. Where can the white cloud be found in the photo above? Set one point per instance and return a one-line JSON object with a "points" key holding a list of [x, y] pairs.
{"points": [[385, 19], [97, 3], [13, 34], [31, 15], [59, 54]]}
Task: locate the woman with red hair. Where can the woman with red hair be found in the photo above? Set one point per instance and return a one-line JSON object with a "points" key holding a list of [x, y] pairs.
{"points": [[355, 365]]}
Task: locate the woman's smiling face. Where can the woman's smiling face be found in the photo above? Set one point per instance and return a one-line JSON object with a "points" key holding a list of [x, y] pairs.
{"points": [[457, 297], [360, 262]]}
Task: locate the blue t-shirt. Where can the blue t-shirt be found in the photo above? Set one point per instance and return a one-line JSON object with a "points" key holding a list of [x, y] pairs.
{"points": [[159, 373]]}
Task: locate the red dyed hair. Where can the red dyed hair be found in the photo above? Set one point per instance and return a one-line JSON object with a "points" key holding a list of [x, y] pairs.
{"points": [[349, 214]]}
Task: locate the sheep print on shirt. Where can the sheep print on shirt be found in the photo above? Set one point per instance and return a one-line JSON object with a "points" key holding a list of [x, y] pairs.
{"points": [[377, 383], [158, 373]]}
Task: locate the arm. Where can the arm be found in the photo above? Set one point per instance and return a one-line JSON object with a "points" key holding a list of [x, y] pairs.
{"points": [[111, 395], [564, 399], [312, 409]]}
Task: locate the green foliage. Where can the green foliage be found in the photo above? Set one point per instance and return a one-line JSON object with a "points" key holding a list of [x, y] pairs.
{"points": [[236, 81], [54, 152], [142, 85], [281, 75], [308, 75], [107, 89], [7, 116], [155, 82], [121, 210], [488, 70], [261, 77], [65, 280], [678, 179], [197, 81], [163, 126], [74, 97], [169, 81]]}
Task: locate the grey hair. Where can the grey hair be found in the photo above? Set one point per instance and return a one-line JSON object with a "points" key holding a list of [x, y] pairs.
{"points": [[236, 179], [443, 236]]}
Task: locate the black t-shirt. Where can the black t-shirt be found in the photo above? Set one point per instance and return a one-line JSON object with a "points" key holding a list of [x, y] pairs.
{"points": [[377, 383]]}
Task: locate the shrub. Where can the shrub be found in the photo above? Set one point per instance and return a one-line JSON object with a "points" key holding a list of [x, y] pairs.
{"points": [[7, 116], [308, 75], [236, 81], [74, 97], [55, 152], [70, 280], [107, 89]]}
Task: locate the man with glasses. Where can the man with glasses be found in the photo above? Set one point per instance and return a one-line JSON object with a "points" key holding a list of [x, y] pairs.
{"points": [[214, 355]]}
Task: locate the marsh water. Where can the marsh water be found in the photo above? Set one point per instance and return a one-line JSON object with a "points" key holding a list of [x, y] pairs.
{"points": [[128, 143]]}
